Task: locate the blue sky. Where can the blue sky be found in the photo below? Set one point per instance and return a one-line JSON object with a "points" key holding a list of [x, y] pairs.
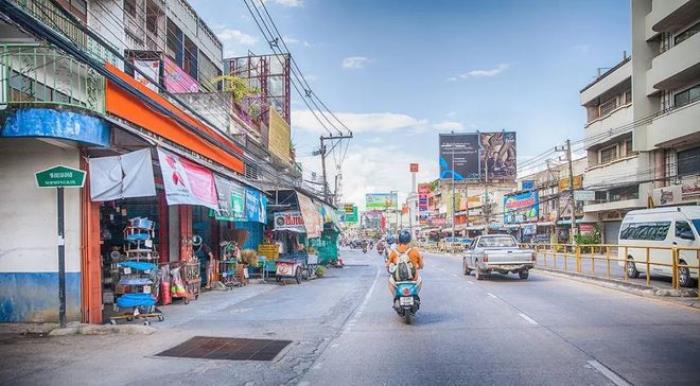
{"points": [[400, 72]]}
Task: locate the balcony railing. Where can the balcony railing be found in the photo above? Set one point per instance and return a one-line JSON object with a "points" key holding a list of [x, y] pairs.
{"points": [[38, 75]]}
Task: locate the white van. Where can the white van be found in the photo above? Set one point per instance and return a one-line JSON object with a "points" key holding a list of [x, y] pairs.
{"points": [[661, 229]]}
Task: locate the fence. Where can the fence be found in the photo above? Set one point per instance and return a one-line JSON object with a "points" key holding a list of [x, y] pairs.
{"points": [[679, 263]]}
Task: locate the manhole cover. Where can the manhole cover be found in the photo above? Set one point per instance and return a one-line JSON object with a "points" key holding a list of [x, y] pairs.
{"points": [[234, 349]]}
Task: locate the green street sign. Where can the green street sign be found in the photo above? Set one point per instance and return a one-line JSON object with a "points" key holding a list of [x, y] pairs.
{"points": [[60, 177]]}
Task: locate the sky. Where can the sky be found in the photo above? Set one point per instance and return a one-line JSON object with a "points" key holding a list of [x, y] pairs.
{"points": [[398, 73]]}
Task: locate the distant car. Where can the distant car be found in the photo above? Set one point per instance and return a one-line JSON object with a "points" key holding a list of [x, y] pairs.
{"points": [[497, 253], [660, 230]]}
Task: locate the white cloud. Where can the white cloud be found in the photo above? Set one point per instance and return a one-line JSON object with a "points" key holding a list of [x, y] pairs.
{"points": [[371, 122], [355, 62], [291, 40], [367, 169], [451, 114], [236, 36], [289, 3], [484, 73]]}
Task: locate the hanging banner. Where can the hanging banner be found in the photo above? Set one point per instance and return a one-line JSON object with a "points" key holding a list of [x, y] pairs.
{"points": [[186, 182], [290, 221], [124, 176], [176, 80], [312, 219], [231, 197], [149, 67], [253, 206]]}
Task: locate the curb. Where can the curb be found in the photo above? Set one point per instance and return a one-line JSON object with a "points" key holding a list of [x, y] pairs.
{"points": [[74, 328], [687, 297]]}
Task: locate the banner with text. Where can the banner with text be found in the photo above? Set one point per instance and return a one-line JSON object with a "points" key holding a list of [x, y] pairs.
{"points": [[186, 182]]}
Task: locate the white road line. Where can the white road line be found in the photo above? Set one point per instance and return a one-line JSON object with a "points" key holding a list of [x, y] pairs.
{"points": [[607, 373], [362, 306], [529, 319], [470, 282], [492, 295]]}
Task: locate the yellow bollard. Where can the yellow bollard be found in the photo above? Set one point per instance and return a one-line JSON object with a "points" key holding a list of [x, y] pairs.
{"points": [[674, 268], [578, 259]]}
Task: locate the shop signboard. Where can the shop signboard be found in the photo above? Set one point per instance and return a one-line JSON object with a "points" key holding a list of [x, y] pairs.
{"points": [[60, 177], [289, 220], [255, 206], [668, 195], [312, 219], [176, 80], [564, 183], [381, 201], [527, 184], [187, 183], [521, 207], [459, 156], [279, 136], [498, 155], [231, 197]]}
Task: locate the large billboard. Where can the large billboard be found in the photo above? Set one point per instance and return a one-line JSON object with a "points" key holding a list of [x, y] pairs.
{"points": [[521, 207], [381, 201], [498, 155], [459, 156], [279, 137], [471, 156]]}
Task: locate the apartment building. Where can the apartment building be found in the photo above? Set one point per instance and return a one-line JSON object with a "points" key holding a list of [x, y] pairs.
{"points": [[666, 95], [615, 171]]}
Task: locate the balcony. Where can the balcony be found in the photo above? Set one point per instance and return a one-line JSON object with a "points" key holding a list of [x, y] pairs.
{"points": [[613, 172], [674, 127], [614, 205], [670, 15], [35, 75], [606, 82], [675, 67], [617, 118]]}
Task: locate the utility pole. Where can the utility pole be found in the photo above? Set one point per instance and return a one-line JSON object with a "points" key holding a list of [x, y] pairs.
{"points": [[571, 191], [487, 205], [453, 198], [322, 151]]}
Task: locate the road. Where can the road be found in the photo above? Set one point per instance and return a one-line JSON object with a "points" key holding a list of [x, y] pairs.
{"points": [[547, 330]]}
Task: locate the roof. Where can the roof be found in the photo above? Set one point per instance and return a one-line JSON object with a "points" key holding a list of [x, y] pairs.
{"points": [[606, 73]]}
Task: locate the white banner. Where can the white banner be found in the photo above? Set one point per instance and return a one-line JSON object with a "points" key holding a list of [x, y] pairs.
{"points": [[124, 176], [186, 182]]}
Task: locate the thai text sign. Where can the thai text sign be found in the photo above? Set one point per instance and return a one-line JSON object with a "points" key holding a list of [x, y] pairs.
{"points": [[60, 177], [176, 80], [290, 220], [186, 182], [521, 207]]}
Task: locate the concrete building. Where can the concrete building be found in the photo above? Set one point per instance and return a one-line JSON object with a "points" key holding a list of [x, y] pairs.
{"points": [[666, 96]]}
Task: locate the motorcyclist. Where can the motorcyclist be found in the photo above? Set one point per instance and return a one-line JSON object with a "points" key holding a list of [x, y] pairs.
{"points": [[414, 257]]}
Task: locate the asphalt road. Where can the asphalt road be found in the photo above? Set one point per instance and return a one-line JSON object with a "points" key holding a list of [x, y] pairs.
{"points": [[547, 330]]}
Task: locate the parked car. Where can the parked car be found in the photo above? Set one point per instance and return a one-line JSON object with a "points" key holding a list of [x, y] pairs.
{"points": [[497, 253], [660, 230], [446, 244]]}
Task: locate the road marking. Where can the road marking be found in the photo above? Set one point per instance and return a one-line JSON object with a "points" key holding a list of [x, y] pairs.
{"points": [[470, 282], [607, 373], [492, 295], [529, 319], [362, 306]]}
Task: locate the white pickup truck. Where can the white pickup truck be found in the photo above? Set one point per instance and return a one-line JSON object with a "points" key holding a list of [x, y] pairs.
{"points": [[497, 253]]}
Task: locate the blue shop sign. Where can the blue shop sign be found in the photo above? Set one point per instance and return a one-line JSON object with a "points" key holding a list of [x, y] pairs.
{"points": [[59, 124]]}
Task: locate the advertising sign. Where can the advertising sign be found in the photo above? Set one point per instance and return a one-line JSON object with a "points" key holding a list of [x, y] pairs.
{"points": [[423, 191], [414, 168], [186, 182], [584, 195], [231, 197], [459, 156], [381, 201], [498, 155], [312, 219], [279, 137], [521, 207], [527, 185], [566, 204], [176, 80], [564, 183], [255, 206], [290, 220], [150, 68]]}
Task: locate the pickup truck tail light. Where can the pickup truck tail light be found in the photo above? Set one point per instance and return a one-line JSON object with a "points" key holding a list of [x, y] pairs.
{"points": [[485, 259], [534, 256]]}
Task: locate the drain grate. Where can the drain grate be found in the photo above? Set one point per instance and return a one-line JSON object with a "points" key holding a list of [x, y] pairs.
{"points": [[233, 349]]}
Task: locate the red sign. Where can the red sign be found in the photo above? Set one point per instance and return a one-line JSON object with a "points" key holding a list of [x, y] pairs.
{"points": [[414, 168]]}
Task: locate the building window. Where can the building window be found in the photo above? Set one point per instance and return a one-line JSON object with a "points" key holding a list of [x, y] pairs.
{"points": [[628, 97], [608, 154], [624, 193], [153, 13], [689, 162], [629, 150], [687, 96], [687, 33], [608, 106], [130, 7], [174, 43], [190, 64]]}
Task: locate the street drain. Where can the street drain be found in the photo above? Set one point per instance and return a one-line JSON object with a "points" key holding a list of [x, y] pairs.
{"points": [[233, 349]]}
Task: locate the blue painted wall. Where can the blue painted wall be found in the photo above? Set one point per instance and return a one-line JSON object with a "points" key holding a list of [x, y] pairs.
{"points": [[50, 123], [33, 296]]}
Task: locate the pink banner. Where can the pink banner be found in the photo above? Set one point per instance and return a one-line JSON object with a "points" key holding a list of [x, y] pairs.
{"points": [[186, 182], [176, 80]]}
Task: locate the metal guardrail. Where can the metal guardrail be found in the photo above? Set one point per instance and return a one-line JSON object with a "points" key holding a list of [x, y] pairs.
{"points": [[39, 75], [577, 257]]}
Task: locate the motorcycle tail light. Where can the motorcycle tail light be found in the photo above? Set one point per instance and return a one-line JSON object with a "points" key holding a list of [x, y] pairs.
{"points": [[406, 291]]}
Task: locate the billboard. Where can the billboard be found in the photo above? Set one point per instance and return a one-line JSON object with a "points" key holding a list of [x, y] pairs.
{"points": [[521, 207], [381, 201], [459, 156], [498, 155], [279, 137]]}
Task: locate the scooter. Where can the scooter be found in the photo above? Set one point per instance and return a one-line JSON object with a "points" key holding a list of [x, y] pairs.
{"points": [[406, 300]]}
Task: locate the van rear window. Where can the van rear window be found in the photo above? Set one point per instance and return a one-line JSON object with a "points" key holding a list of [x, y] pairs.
{"points": [[652, 231]]}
